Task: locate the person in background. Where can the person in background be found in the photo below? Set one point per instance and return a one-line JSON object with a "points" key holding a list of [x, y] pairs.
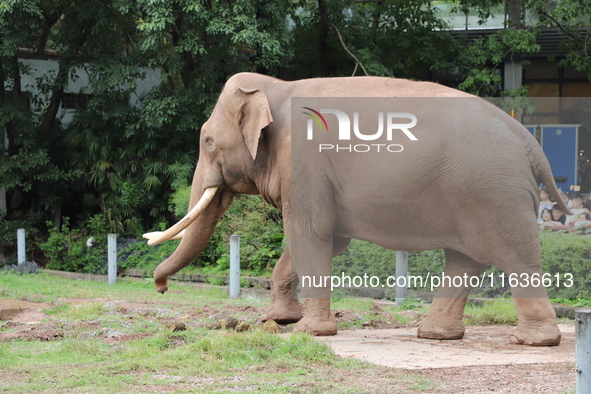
{"points": [[556, 221], [550, 223], [546, 222], [544, 201], [576, 209], [558, 215], [567, 201], [582, 223]]}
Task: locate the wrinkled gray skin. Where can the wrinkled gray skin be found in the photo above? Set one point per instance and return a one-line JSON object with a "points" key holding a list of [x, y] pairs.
{"points": [[481, 177]]}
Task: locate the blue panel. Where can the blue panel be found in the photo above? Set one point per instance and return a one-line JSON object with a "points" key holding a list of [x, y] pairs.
{"points": [[531, 129], [560, 145]]}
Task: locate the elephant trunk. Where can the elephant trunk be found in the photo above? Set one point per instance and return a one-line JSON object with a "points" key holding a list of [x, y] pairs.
{"points": [[193, 242]]}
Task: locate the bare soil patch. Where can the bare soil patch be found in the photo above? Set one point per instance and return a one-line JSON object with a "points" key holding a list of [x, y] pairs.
{"points": [[524, 378], [32, 335]]}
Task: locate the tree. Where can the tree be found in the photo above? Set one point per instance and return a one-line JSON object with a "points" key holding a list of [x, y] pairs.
{"points": [[573, 19], [123, 155], [119, 159]]}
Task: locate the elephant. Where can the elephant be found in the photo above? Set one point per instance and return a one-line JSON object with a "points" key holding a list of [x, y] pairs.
{"points": [[480, 172]]}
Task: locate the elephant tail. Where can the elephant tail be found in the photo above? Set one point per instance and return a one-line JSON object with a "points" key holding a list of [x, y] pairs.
{"points": [[543, 173]]}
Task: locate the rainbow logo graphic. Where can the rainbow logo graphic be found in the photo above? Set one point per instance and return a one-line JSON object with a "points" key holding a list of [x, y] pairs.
{"points": [[317, 117]]}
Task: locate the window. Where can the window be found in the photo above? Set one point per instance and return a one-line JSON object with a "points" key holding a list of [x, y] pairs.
{"points": [[75, 100]]}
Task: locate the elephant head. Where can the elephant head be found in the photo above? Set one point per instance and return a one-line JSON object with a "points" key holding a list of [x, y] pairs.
{"points": [[230, 162]]}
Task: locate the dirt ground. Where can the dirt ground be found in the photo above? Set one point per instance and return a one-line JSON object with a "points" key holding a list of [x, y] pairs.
{"points": [[484, 361]]}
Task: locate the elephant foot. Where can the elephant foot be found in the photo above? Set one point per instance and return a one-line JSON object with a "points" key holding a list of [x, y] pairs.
{"points": [[316, 326], [283, 312], [536, 335], [432, 329]]}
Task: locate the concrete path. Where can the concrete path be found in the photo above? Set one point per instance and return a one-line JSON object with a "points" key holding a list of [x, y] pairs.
{"points": [[482, 345]]}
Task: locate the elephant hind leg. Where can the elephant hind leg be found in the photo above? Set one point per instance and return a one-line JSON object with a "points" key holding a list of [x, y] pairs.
{"points": [[537, 323], [521, 262], [444, 320]]}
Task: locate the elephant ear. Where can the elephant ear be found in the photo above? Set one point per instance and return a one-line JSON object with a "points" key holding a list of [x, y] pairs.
{"points": [[255, 115]]}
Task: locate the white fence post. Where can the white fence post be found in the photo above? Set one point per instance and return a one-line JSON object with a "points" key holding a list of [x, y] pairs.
{"points": [[401, 272], [112, 258], [234, 266], [583, 350], [21, 246]]}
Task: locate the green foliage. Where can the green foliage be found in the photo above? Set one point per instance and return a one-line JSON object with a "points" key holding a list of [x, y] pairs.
{"points": [[125, 148], [412, 304], [562, 255], [366, 258], [565, 254], [480, 61], [576, 302], [139, 255], [127, 151], [180, 201], [8, 232], [67, 249], [568, 17], [259, 225]]}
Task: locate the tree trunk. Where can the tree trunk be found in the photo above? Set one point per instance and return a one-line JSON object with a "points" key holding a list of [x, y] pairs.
{"points": [[57, 94], [323, 27]]}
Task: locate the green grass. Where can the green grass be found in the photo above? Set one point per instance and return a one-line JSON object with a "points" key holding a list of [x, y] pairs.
{"points": [[48, 288], [195, 360], [357, 304], [576, 302], [500, 311]]}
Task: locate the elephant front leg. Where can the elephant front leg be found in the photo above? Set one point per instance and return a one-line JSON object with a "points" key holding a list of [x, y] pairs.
{"points": [[312, 260], [444, 320], [285, 307], [317, 320]]}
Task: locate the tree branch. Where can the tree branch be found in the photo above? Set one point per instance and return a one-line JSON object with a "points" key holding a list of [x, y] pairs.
{"points": [[349, 52], [48, 23], [562, 28]]}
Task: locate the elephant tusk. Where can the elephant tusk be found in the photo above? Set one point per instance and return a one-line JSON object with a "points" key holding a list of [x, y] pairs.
{"points": [[187, 220], [154, 234]]}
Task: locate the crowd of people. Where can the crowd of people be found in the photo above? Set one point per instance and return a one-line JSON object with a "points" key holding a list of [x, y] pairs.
{"points": [[552, 218]]}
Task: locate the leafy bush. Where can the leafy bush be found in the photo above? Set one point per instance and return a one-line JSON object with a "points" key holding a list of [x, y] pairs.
{"points": [[179, 202], [76, 250], [8, 235], [136, 253], [562, 254], [366, 258], [565, 254], [259, 225]]}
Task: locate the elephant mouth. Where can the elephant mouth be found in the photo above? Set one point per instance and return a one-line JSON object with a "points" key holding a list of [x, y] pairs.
{"points": [[176, 231]]}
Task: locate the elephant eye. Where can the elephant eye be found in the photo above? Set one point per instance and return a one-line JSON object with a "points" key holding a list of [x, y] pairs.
{"points": [[208, 143]]}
